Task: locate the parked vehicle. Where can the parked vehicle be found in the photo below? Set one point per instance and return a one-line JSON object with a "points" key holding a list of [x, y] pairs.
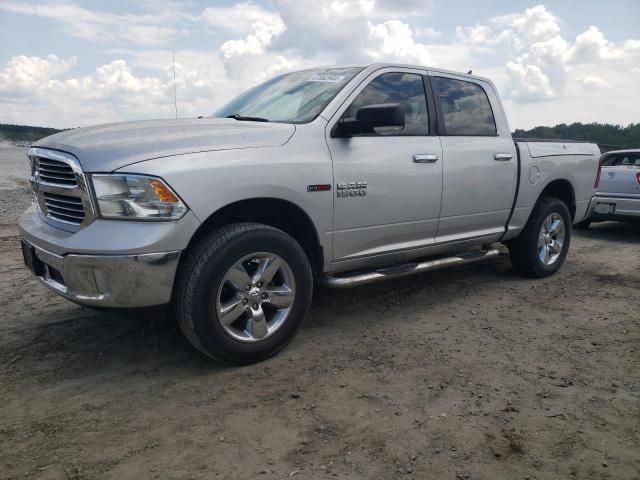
{"points": [[617, 189], [345, 175]]}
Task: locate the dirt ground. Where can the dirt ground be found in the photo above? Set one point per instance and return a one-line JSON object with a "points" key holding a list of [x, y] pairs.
{"points": [[468, 373]]}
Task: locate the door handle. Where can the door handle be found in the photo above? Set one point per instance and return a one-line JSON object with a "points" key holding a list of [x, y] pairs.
{"points": [[425, 158], [502, 157]]}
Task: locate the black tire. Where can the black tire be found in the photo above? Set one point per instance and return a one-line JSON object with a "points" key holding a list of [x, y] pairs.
{"points": [[203, 269], [524, 249]]}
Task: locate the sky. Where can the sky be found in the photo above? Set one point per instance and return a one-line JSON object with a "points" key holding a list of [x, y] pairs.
{"points": [[66, 63]]}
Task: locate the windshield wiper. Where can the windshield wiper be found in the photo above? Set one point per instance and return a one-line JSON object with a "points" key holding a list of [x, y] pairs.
{"points": [[237, 116]]}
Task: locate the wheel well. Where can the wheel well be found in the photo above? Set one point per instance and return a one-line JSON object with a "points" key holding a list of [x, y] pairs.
{"points": [[274, 212], [562, 190]]}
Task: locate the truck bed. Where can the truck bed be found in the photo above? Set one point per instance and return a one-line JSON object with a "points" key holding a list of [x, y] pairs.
{"points": [[541, 163]]}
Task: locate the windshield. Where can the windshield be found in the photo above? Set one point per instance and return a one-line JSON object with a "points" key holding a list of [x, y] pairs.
{"points": [[296, 97]]}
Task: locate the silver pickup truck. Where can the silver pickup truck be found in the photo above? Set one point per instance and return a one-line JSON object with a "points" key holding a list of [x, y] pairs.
{"points": [[342, 175]]}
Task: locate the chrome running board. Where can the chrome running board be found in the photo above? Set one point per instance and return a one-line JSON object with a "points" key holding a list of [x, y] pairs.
{"points": [[346, 281]]}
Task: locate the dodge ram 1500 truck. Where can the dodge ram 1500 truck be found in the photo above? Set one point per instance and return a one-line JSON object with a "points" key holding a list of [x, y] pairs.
{"points": [[343, 175]]}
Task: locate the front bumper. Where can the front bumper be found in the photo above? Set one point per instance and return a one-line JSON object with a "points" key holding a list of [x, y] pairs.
{"points": [[124, 281], [614, 207], [109, 263]]}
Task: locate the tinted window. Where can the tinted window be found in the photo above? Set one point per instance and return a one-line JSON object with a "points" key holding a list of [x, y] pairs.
{"points": [[406, 89], [465, 107], [624, 159]]}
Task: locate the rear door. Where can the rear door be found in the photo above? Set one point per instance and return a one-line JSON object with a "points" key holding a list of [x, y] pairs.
{"points": [[479, 159], [620, 174]]}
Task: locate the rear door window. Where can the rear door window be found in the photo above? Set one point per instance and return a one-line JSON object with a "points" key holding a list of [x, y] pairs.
{"points": [[622, 159], [465, 108]]}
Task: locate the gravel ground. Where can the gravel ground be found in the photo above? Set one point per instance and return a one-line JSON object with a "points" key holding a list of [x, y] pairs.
{"points": [[15, 195], [468, 373]]}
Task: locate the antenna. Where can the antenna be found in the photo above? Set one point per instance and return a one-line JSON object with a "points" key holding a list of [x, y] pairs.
{"points": [[175, 94]]}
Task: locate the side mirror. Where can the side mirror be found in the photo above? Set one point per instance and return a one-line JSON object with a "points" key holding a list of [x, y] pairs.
{"points": [[370, 117]]}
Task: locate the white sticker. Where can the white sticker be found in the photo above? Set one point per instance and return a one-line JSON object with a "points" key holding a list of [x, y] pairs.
{"points": [[326, 77]]}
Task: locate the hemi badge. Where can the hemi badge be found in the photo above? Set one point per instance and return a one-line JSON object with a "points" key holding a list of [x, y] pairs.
{"points": [[319, 188]]}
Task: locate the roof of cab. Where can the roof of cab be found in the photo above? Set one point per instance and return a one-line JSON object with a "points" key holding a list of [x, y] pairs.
{"points": [[377, 66], [628, 150]]}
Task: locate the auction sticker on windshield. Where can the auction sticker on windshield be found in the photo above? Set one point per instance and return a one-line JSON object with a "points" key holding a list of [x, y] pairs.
{"points": [[326, 77]]}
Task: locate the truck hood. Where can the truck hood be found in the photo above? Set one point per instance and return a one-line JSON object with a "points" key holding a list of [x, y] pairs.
{"points": [[105, 148]]}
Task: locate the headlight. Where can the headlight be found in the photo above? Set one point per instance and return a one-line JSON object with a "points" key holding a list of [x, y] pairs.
{"points": [[136, 197]]}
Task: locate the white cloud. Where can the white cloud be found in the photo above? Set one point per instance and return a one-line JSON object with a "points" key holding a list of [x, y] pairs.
{"points": [[244, 17], [541, 61], [589, 46], [528, 83], [24, 73], [591, 81], [426, 33], [533, 25], [394, 39], [31, 87], [147, 30], [516, 30], [248, 18]]}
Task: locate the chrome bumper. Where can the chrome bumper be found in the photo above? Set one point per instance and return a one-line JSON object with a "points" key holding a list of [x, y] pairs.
{"points": [[604, 206], [126, 281]]}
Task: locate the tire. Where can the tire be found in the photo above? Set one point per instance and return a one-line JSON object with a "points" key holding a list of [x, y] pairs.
{"points": [[208, 283], [526, 254]]}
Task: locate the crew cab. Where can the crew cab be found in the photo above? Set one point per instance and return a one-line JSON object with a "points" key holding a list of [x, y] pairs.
{"points": [[338, 176]]}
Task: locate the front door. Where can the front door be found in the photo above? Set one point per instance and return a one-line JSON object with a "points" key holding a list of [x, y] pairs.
{"points": [[388, 184]]}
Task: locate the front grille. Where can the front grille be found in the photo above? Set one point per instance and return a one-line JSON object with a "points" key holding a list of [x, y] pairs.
{"points": [[61, 189], [55, 172], [64, 208]]}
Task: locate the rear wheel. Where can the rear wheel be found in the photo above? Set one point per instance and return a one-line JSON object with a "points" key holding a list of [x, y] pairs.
{"points": [[243, 292], [541, 248]]}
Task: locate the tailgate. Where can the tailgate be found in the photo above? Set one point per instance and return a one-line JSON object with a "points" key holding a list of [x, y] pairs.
{"points": [[620, 180]]}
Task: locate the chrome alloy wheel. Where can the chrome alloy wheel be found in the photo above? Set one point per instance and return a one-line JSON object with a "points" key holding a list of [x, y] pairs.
{"points": [[255, 297], [551, 239]]}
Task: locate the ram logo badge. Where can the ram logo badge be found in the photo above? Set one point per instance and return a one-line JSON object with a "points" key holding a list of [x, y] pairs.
{"points": [[325, 187], [352, 189]]}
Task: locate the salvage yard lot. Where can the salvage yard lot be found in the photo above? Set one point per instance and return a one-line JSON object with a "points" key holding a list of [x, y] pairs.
{"points": [[473, 372]]}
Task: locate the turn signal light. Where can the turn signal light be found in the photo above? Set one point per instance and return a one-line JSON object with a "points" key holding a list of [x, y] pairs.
{"points": [[163, 192]]}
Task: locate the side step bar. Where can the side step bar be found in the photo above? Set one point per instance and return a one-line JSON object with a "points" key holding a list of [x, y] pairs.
{"points": [[406, 269]]}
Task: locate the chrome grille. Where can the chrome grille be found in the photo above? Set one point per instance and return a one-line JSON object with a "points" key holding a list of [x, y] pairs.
{"points": [[64, 208], [61, 189], [55, 172]]}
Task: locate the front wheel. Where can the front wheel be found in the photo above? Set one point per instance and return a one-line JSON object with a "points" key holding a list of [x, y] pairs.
{"points": [[243, 292], [542, 246]]}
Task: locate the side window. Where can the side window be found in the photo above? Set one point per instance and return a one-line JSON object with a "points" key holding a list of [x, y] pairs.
{"points": [[406, 89], [465, 107]]}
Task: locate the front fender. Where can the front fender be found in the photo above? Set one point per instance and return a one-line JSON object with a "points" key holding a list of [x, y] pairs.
{"points": [[209, 181]]}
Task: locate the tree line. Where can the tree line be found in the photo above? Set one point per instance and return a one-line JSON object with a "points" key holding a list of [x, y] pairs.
{"points": [[601, 133], [23, 133]]}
